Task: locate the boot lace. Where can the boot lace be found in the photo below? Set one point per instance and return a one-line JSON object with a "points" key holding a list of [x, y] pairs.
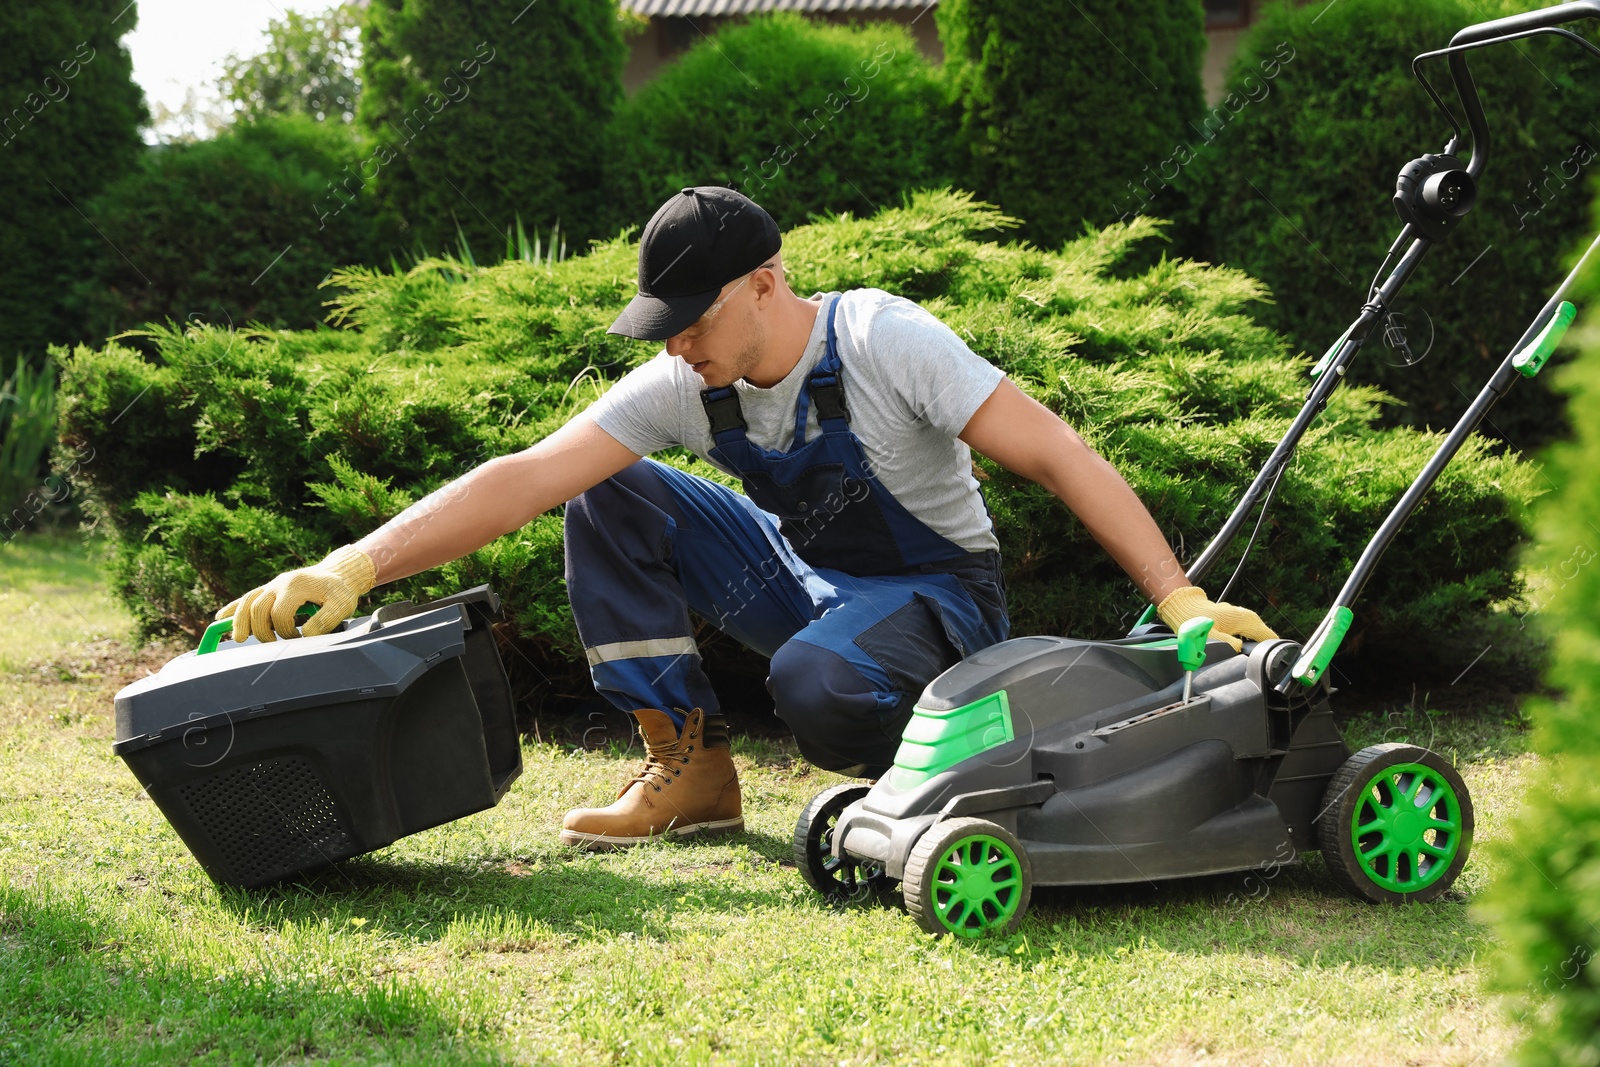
{"points": [[662, 763]]}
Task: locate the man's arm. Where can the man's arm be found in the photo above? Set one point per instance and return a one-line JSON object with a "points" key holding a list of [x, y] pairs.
{"points": [[502, 495], [1022, 435], [1027, 438]]}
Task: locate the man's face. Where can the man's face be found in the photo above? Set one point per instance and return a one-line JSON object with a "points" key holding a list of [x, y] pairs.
{"points": [[725, 343]]}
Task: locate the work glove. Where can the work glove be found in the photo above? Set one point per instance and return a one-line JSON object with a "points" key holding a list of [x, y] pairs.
{"points": [[336, 584], [1232, 623]]}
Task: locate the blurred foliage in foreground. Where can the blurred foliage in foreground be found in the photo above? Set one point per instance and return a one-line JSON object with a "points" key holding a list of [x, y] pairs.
{"points": [[1546, 900]]}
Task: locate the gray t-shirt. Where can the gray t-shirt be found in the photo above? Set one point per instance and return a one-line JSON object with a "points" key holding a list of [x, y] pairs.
{"points": [[911, 386]]}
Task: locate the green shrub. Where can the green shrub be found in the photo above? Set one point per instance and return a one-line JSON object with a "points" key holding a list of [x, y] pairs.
{"points": [[232, 230], [1063, 109], [1296, 187], [69, 126], [244, 454], [1546, 898], [802, 117], [483, 112]]}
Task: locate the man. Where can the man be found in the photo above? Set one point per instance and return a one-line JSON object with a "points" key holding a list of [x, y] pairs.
{"points": [[861, 558]]}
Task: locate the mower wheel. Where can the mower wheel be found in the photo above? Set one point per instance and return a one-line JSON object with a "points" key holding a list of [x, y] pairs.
{"points": [[968, 877], [841, 881], [1396, 824]]}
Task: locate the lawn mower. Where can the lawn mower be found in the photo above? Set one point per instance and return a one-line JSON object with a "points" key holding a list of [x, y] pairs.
{"points": [[1057, 761]]}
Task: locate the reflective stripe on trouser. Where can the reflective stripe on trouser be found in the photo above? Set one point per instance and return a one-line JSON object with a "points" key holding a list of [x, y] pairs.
{"points": [[849, 655]]}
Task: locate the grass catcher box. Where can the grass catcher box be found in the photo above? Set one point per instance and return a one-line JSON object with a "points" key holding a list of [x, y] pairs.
{"points": [[273, 759]]}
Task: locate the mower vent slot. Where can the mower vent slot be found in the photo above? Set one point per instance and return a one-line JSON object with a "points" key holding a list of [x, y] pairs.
{"points": [[269, 818]]}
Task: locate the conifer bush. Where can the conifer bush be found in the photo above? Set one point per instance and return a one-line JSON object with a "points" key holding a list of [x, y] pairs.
{"points": [[236, 455], [236, 229], [69, 126], [803, 117]]}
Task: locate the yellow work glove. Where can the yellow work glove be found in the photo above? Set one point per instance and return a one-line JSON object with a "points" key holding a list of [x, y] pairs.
{"points": [[1232, 623], [336, 584]]}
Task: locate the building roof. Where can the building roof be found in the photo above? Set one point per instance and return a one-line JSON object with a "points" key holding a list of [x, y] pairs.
{"points": [[669, 8]]}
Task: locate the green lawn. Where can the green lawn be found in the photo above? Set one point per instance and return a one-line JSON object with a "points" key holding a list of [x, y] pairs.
{"points": [[49, 598], [488, 942]]}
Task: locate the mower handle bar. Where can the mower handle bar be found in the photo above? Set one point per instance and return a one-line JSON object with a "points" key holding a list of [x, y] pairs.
{"points": [[1503, 378], [1320, 647], [1372, 312], [1495, 31], [1375, 309]]}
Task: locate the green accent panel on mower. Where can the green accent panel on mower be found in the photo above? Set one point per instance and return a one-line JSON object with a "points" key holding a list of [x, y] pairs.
{"points": [[1148, 617], [1531, 359], [1406, 827], [938, 740], [977, 885], [1318, 653]]}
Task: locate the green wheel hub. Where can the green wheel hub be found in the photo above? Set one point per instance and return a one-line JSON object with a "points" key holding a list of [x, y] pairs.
{"points": [[977, 885], [1406, 827]]}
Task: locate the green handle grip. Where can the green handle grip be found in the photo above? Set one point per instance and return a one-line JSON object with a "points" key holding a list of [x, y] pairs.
{"points": [[1318, 652], [1327, 357], [1192, 642], [213, 635], [1531, 358]]}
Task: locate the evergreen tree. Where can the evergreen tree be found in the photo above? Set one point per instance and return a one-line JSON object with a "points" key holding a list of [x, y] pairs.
{"points": [[1063, 108], [311, 64], [803, 117], [486, 112], [70, 115]]}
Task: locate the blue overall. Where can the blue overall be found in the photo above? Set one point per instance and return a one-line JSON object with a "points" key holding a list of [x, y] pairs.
{"points": [[856, 601]]}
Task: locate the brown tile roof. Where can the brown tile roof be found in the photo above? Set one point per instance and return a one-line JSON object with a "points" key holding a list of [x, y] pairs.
{"points": [[667, 8]]}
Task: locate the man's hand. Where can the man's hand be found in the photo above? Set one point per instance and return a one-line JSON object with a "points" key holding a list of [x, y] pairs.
{"points": [[1232, 623], [335, 584]]}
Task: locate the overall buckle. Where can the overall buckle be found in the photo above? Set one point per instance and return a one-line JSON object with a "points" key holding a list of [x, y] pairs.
{"points": [[722, 410], [828, 396]]}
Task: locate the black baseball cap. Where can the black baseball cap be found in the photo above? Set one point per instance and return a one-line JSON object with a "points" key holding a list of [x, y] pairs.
{"points": [[695, 243]]}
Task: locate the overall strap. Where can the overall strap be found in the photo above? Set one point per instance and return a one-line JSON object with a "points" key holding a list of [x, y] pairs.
{"points": [[724, 414], [825, 385]]}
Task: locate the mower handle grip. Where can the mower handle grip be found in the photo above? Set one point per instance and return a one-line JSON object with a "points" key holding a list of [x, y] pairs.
{"points": [[214, 635], [1543, 18], [1527, 22], [224, 628]]}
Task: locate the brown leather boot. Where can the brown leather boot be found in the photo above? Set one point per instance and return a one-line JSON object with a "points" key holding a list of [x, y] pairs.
{"points": [[687, 785]]}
